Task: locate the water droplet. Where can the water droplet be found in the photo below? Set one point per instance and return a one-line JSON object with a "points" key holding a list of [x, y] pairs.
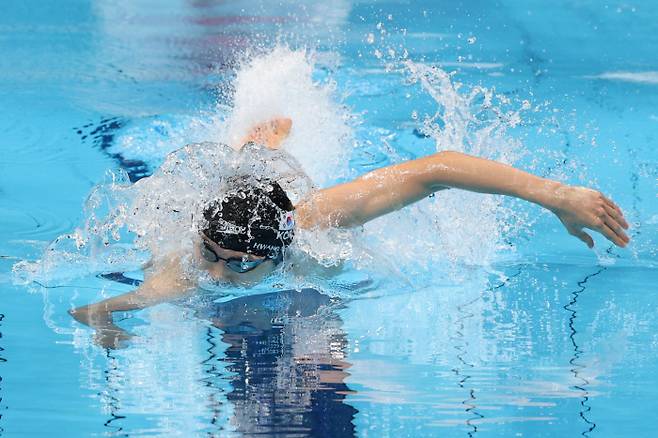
{"points": [[370, 39], [471, 40]]}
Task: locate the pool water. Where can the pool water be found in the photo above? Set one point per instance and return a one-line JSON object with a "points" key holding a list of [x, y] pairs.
{"points": [[522, 332]]}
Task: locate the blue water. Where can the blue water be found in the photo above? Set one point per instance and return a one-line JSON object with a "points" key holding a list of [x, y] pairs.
{"points": [[549, 339]]}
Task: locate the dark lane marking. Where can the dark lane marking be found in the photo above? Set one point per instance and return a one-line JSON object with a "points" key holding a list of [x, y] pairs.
{"points": [[103, 135], [470, 402], [113, 376], [2, 360], [119, 277], [214, 375], [577, 352]]}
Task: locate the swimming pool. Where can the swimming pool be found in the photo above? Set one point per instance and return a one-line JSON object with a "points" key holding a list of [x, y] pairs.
{"points": [[524, 332]]}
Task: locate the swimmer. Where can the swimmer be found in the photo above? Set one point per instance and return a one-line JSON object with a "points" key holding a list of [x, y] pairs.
{"points": [[246, 233]]}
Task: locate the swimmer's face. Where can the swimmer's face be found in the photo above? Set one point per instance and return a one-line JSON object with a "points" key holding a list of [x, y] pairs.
{"points": [[220, 269]]}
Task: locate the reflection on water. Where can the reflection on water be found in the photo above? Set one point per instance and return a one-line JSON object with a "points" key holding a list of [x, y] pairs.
{"points": [[286, 351], [271, 364], [519, 352]]}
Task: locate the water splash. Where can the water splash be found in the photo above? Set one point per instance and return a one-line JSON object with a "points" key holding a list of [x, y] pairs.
{"points": [[281, 83], [160, 215], [455, 226], [128, 223]]}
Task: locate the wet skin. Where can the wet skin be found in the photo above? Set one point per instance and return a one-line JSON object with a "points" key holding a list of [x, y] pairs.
{"points": [[165, 286], [356, 202]]}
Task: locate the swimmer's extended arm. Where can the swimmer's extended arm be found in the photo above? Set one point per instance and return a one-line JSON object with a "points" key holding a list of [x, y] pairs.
{"points": [[164, 285], [391, 188]]}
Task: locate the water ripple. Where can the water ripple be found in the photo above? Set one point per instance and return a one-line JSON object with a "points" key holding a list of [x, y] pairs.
{"points": [[23, 141], [34, 223]]}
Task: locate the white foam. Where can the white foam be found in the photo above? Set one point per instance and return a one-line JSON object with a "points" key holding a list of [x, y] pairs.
{"points": [[429, 35], [645, 77], [280, 84], [475, 65]]}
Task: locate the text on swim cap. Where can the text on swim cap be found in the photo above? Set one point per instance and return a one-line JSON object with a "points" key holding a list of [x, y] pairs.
{"points": [[284, 235]]}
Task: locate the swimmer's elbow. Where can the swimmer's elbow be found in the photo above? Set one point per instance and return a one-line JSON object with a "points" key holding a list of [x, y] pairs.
{"points": [[440, 168]]}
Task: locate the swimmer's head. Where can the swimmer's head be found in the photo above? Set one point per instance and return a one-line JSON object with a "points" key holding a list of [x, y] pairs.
{"points": [[254, 217]]}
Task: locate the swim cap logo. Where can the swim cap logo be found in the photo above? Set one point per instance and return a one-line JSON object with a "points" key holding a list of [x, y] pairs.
{"points": [[229, 228], [287, 221]]}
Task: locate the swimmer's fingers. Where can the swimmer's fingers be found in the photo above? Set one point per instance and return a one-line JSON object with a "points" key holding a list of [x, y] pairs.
{"points": [[112, 338], [586, 208], [607, 227], [617, 223], [614, 211], [608, 221], [579, 233]]}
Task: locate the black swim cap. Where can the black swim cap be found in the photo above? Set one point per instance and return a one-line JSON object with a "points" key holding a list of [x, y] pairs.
{"points": [[254, 217]]}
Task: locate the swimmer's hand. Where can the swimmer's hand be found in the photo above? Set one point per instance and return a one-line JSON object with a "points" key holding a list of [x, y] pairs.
{"points": [[108, 334], [167, 282], [580, 207], [270, 134], [87, 316], [112, 337]]}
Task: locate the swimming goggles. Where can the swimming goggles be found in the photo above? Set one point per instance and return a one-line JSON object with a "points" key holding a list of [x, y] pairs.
{"points": [[235, 264]]}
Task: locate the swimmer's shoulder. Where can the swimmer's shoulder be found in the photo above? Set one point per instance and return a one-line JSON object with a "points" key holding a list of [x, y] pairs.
{"points": [[167, 269]]}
